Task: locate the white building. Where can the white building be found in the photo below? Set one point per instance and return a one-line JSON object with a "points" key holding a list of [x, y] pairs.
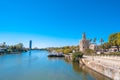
{"points": [[93, 46]]}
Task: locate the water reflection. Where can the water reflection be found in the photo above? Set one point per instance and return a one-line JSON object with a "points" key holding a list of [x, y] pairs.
{"points": [[35, 65], [30, 53], [82, 69], [68, 61], [29, 59], [54, 59]]}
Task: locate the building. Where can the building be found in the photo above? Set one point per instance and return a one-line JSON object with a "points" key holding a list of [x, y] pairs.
{"points": [[30, 44], [113, 49], [93, 46], [84, 43]]}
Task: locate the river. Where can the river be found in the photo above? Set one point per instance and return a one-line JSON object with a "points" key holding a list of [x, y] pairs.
{"points": [[37, 66]]}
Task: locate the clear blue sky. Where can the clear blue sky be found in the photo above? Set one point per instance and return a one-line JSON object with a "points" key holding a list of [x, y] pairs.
{"points": [[57, 22]]}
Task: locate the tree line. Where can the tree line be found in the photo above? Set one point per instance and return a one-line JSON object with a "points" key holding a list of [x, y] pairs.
{"points": [[113, 40], [12, 48]]}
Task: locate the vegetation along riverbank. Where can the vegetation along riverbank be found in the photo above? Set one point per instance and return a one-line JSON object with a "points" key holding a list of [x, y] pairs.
{"points": [[12, 49]]}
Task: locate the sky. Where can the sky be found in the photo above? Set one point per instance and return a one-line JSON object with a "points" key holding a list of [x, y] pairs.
{"points": [[57, 22]]}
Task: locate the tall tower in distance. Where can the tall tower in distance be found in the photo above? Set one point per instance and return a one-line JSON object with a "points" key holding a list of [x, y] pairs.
{"points": [[30, 45]]}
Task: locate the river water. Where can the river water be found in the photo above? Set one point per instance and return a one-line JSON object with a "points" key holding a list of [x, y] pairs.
{"points": [[37, 66]]}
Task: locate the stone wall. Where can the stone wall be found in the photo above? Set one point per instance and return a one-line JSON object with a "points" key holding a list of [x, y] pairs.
{"points": [[103, 68]]}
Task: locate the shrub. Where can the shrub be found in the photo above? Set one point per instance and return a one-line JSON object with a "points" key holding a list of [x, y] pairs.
{"points": [[89, 52], [66, 51], [76, 56], [114, 53]]}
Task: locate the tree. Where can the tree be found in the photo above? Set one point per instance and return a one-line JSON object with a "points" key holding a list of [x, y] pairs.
{"points": [[107, 45], [66, 51], [76, 56], [77, 48], [3, 45], [101, 41], [90, 40], [19, 46], [94, 40], [89, 51], [114, 39], [59, 50]]}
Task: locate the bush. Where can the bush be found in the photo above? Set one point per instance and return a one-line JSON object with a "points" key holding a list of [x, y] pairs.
{"points": [[114, 53], [89, 52], [76, 56], [66, 51]]}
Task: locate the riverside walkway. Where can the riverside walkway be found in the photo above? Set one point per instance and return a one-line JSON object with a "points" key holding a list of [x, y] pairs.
{"points": [[106, 65], [109, 61]]}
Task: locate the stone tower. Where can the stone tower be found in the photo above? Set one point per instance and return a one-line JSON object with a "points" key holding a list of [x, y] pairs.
{"points": [[83, 36], [84, 43]]}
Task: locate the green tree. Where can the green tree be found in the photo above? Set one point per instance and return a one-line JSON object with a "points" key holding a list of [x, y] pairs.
{"points": [[76, 56], [59, 50], [66, 51], [77, 48], [19, 46], [89, 51], [114, 39], [3, 45], [107, 45]]}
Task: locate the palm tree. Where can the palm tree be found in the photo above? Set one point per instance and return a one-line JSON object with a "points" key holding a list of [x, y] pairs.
{"points": [[102, 46], [3, 45], [90, 40], [101, 40], [94, 40]]}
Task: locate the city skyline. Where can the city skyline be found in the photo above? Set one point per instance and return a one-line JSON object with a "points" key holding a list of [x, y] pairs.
{"points": [[57, 23]]}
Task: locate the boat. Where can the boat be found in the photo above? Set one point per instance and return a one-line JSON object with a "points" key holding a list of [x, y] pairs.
{"points": [[56, 55]]}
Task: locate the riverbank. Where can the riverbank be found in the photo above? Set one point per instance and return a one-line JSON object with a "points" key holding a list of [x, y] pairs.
{"points": [[17, 52], [107, 66]]}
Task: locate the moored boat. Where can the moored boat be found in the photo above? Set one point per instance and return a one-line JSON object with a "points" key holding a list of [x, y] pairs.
{"points": [[56, 55]]}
